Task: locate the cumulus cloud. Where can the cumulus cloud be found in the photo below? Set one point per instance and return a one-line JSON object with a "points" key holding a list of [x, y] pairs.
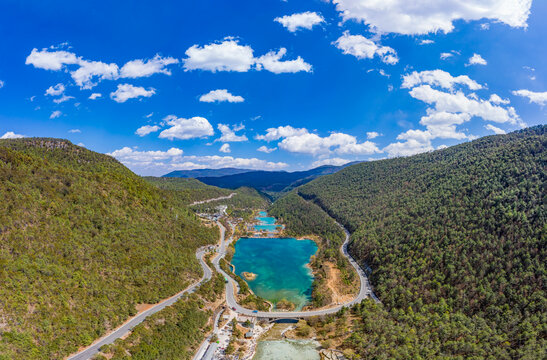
{"points": [[273, 63], [476, 59], [448, 109], [141, 68], [225, 148], [266, 149], [305, 20], [426, 42], [438, 78], [88, 73], [430, 16], [229, 55], [12, 135], [229, 134], [161, 162], [75, 131], [146, 129], [183, 129], [55, 114], [332, 161], [273, 134], [446, 55], [363, 48], [496, 130], [95, 96], [62, 99], [56, 90], [372, 134], [220, 95], [125, 92], [496, 99], [539, 98]]}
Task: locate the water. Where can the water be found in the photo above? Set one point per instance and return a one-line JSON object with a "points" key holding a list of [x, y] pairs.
{"points": [[266, 222], [287, 350], [280, 266]]}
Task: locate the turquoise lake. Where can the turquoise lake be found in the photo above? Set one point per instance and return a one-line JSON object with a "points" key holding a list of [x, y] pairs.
{"points": [[280, 266], [266, 222]]}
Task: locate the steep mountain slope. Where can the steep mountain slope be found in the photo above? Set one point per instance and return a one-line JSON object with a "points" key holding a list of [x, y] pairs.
{"points": [[270, 181], [456, 240], [205, 172], [82, 241]]}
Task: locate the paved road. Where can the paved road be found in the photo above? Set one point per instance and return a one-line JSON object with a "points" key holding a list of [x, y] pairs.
{"points": [[215, 199], [134, 321], [365, 289]]}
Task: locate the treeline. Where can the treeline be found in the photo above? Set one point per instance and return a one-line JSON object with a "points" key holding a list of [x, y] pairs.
{"points": [[456, 240], [173, 333], [83, 240]]}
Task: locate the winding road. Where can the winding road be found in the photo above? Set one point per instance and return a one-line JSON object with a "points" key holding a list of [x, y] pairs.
{"points": [[215, 199], [365, 291]]}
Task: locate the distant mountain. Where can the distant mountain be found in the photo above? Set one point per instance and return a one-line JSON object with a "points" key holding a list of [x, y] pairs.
{"points": [[205, 172], [270, 181]]}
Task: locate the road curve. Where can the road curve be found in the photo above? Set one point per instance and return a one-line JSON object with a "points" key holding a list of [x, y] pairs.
{"points": [[123, 329], [365, 289], [215, 199]]}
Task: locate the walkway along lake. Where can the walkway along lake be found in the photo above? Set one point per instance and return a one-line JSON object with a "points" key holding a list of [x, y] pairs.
{"points": [[280, 265]]}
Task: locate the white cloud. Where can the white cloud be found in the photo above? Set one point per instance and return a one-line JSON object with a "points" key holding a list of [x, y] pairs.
{"points": [[407, 148], [220, 95], [459, 103], [89, 73], [146, 129], [332, 161], [229, 135], [140, 68], [426, 42], [363, 48], [62, 99], [273, 134], [51, 60], [229, 55], [183, 129], [339, 143], [95, 96], [225, 148], [266, 149], [129, 155], [75, 131], [496, 130], [2, 84], [225, 56], [430, 16], [12, 135], [305, 20], [539, 98], [55, 114], [128, 91], [476, 59], [495, 99], [215, 162], [56, 90], [272, 62], [372, 134], [446, 55], [438, 78], [485, 26]]}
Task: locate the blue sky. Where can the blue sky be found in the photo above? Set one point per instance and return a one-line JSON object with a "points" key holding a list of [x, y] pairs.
{"points": [[208, 83]]}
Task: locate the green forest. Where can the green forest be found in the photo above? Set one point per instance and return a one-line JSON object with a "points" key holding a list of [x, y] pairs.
{"points": [[83, 240], [456, 239]]}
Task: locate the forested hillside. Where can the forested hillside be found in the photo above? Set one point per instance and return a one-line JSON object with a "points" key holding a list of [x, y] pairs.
{"points": [[82, 241], [456, 239], [188, 190]]}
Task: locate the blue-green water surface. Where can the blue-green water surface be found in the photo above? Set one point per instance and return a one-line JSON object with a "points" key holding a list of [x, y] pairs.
{"points": [[280, 266], [266, 222]]}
